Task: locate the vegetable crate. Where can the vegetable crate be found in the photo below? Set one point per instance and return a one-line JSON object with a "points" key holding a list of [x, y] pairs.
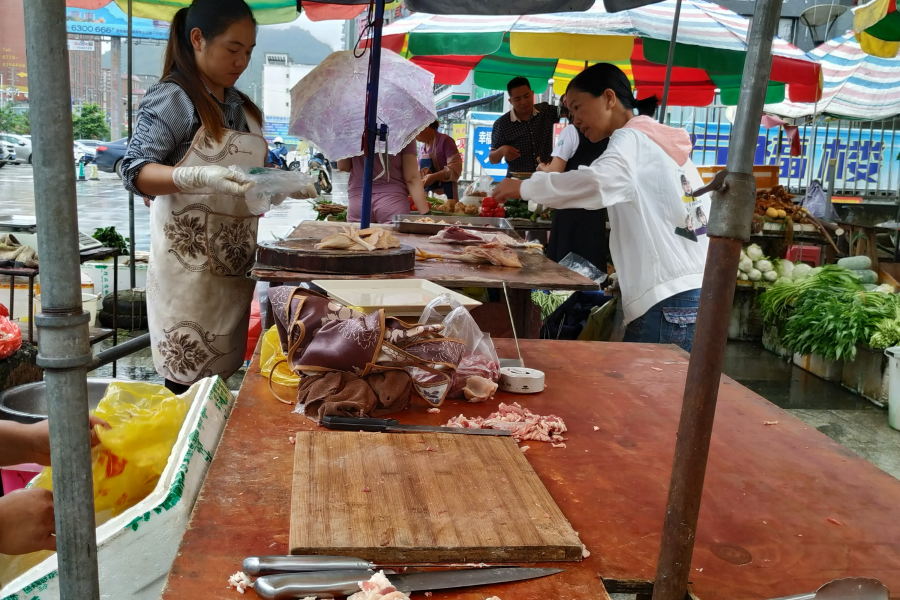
{"points": [[867, 375], [829, 370], [135, 550]]}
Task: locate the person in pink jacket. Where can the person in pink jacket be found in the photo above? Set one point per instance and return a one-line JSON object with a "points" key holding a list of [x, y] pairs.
{"points": [[646, 179]]}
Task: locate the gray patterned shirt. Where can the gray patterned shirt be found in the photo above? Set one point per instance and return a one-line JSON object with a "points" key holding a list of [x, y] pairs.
{"points": [[166, 125]]}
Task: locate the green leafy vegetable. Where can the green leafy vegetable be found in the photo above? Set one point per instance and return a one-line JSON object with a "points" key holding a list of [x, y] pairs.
{"points": [[111, 238]]}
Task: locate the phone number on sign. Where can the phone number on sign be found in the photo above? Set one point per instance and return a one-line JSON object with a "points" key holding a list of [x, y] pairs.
{"points": [[115, 31]]}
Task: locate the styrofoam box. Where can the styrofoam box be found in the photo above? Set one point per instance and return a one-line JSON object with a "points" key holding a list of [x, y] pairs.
{"points": [[136, 549], [101, 273]]}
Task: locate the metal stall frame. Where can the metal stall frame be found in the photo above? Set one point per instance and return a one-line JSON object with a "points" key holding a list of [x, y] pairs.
{"points": [[729, 227], [64, 352]]}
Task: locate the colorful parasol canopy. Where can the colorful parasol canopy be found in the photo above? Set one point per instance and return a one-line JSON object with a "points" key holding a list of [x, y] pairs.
{"points": [[267, 12], [709, 53], [857, 85], [877, 28]]}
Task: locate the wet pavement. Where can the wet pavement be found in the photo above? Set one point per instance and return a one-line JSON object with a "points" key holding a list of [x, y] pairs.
{"points": [[845, 417]]}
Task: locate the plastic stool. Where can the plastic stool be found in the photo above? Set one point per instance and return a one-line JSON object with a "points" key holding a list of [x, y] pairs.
{"points": [[811, 255]]}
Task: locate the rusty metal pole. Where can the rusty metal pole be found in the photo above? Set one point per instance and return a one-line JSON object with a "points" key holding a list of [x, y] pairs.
{"points": [[729, 227]]}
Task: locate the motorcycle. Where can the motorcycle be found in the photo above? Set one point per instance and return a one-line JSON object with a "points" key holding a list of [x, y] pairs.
{"points": [[278, 158], [319, 170]]}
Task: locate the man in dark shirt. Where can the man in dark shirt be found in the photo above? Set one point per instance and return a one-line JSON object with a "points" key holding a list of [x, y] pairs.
{"points": [[524, 135]]}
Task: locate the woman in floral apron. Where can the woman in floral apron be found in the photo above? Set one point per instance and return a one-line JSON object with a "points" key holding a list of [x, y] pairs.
{"points": [[191, 127]]}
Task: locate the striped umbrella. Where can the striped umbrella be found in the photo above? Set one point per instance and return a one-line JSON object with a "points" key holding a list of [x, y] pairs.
{"points": [[877, 28], [857, 85], [267, 12], [709, 52]]}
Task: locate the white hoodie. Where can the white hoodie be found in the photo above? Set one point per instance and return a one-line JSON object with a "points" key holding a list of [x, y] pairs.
{"points": [[639, 178]]}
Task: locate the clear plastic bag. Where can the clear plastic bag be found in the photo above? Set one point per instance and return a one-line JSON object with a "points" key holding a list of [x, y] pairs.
{"points": [[583, 266], [480, 358], [482, 186], [271, 186]]}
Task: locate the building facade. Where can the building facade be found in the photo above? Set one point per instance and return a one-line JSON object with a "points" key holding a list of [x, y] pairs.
{"points": [[85, 71]]}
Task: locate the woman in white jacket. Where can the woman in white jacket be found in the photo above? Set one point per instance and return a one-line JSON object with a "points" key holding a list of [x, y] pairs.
{"points": [[645, 178]]}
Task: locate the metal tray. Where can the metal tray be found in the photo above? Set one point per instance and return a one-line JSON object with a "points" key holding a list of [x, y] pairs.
{"points": [[494, 224]]}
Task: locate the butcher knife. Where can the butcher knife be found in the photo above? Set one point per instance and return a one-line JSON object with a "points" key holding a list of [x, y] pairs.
{"points": [[394, 426], [338, 584], [269, 565]]}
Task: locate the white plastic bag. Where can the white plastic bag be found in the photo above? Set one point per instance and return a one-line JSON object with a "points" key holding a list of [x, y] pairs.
{"points": [[271, 186]]}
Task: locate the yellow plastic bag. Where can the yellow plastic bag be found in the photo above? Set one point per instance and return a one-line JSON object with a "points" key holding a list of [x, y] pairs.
{"points": [[145, 420], [269, 356]]}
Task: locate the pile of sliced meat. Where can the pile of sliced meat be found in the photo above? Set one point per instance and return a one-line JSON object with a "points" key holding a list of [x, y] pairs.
{"points": [[521, 422], [378, 588]]}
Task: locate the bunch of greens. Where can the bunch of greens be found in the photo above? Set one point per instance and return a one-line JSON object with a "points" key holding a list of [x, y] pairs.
{"points": [[887, 332], [776, 303], [832, 321], [111, 238]]}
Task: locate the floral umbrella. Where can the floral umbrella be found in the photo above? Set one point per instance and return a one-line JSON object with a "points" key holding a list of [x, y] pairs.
{"points": [[857, 85], [328, 105], [709, 53]]}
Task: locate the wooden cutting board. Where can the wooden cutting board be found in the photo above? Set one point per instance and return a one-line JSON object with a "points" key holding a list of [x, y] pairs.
{"points": [[432, 497], [302, 255]]}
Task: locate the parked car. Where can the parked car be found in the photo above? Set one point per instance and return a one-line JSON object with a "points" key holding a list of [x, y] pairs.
{"points": [[11, 157], [110, 154], [4, 155], [83, 153], [92, 144], [21, 143]]}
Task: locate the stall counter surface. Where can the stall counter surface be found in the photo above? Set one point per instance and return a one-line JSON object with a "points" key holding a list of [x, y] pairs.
{"points": [[759, 535]]}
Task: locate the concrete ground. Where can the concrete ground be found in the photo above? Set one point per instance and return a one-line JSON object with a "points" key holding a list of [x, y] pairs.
{"points": [[848, 419]]}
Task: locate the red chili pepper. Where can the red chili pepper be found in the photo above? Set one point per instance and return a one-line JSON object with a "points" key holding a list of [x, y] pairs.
{"points": [[500, 212]]}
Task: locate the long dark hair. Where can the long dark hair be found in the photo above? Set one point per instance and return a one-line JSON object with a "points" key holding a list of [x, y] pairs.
{"points": [[600, 77], [212, 18]]}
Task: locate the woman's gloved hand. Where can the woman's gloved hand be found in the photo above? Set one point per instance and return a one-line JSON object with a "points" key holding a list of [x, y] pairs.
{"points": [[225, 181]]}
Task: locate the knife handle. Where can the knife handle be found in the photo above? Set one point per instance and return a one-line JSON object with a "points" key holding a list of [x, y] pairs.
{"points": [[267, 565], [356, 424], [323, 584]]}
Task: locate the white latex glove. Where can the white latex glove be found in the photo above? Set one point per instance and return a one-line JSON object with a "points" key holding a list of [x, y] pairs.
{"points": [[308, 192], [222, 180]]}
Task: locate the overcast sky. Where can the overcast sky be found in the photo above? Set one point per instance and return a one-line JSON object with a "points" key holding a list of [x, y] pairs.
{"points": [[328, 32]]}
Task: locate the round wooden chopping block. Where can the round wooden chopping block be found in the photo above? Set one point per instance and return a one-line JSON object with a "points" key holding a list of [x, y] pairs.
{"points": [[302, 255]]}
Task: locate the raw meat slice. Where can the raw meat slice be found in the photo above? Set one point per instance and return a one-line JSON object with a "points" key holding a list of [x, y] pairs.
{"points": [[457, 234], [521, 422], [378, 588], [479, 389]]}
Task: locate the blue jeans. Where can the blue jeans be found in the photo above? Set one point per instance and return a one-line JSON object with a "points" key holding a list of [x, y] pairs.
{"points": [[671, 321]]}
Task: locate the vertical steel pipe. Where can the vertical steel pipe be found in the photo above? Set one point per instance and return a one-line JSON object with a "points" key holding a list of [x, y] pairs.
{"points": [[669, 63], [729, 226], [63, 325], [131, 265], [372, 114]]}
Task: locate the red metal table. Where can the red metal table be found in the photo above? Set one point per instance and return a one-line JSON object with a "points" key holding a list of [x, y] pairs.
{"points": [[771, 497]]}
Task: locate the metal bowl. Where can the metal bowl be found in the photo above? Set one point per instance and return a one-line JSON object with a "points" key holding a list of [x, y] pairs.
{"points": [[28, 403]]}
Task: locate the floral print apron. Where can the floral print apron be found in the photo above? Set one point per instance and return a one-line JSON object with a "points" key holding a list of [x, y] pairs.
{"points": [[203, 245]]}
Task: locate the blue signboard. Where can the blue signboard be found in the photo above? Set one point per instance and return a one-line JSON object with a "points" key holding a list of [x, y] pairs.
{"points": [[866, 158], [278, 126], [111, 20], [481, 148]]}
